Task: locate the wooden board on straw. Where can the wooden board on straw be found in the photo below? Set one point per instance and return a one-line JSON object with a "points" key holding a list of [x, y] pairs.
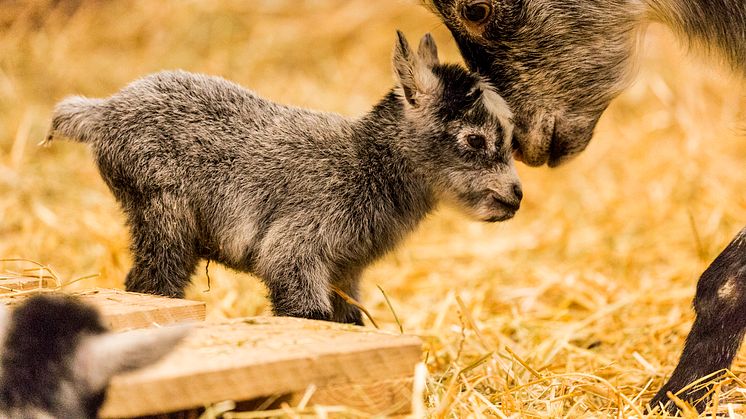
{"points": [[129, 310], [245, 359], [22, 284]]}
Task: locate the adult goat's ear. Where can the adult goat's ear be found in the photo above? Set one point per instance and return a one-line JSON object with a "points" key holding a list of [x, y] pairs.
{"points": [[413, 75], [100, 357]]}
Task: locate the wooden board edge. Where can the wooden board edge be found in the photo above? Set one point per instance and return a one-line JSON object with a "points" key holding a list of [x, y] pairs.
{"points": [[149, 399]]}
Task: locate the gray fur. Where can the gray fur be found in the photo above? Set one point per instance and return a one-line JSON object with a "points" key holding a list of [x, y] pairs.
{"points": [[205, 169], [559, 63], [715, 25]]}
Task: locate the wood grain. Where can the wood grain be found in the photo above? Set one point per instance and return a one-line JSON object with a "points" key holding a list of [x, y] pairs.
{"points": [[22, 284], [123, 310], [249, 358]]}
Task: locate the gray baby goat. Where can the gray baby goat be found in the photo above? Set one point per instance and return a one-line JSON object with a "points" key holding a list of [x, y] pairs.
{"points": [[204, 168]]}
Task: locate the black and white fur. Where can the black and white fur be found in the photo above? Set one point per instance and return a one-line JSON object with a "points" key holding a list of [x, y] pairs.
{"points": [[205, 169], [56, 357], [559, 63]]}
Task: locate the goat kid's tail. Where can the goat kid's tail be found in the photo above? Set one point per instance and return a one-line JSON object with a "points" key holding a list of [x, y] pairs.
{"points": [[76, 118]]}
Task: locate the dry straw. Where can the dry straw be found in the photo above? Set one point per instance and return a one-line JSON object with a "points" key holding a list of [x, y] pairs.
{"points": [[576, 308]]}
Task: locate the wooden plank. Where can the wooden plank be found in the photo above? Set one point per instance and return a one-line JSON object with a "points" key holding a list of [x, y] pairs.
{"points": [[128, 310], [22, 284], [391, 396], [244, 359]]}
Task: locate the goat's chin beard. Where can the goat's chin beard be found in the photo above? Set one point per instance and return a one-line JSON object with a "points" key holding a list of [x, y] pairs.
{"points": [[498, 218], [490, 215], [487, 211], [483, 211]]}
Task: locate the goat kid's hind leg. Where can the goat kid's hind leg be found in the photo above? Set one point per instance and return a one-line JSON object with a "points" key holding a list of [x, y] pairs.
{"points": [[713, 342], [298, 287], [163, 249]]}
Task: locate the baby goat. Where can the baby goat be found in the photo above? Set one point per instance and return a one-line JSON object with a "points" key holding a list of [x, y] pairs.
{"points": [[56, 358], [204, 168]]}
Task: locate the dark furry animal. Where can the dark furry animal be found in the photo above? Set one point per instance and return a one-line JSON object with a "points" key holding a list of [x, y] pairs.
{"points": [[56, 357], [559, 63], [204, 168], [718, 330]]}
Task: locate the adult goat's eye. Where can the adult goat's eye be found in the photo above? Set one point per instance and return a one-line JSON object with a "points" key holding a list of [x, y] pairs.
{"points": [[476, 141], [476, 11]]}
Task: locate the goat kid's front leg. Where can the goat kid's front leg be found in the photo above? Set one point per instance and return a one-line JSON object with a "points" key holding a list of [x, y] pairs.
{"points": [[713, 342]]}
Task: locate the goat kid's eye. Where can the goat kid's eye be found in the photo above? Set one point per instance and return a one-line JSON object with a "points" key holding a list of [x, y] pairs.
{"points": [[476, 142], [476, 11]]}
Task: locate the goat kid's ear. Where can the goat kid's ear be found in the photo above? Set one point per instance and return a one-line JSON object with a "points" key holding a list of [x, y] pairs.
{"points": [[100, 357], [412, 72], [428, 51]]}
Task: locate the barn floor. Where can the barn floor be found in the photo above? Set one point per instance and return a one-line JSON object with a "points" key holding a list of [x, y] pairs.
{"points": [[577, 307]]}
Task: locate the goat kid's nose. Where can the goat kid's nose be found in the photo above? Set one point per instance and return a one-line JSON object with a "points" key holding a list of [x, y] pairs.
{"points": [[518, 191]]}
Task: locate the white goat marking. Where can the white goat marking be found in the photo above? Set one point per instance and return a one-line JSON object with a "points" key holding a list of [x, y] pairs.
{"points": [[729, 290], [496, 105]]}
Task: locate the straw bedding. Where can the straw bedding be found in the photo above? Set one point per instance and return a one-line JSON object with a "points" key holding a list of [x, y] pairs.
{"points": [[577, 307]]}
